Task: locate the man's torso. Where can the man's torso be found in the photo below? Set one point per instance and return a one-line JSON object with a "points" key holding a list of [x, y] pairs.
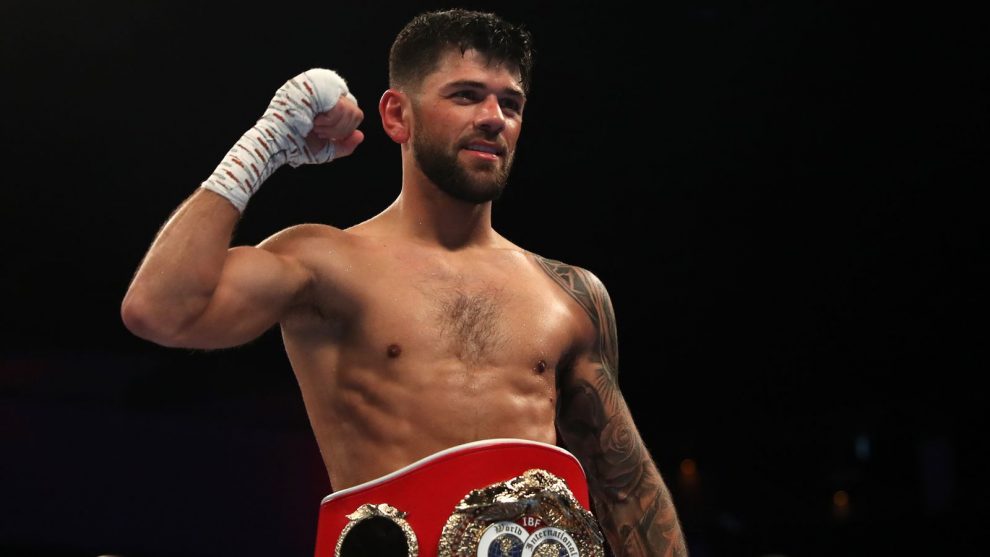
{"points": [[404, 350]]}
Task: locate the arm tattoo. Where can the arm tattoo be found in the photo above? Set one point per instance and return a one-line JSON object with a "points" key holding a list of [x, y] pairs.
{"points": [[636, 509], [593, 298]]}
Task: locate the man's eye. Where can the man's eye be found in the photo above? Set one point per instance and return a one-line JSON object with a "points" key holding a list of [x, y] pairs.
{"points": [[511, 105]]}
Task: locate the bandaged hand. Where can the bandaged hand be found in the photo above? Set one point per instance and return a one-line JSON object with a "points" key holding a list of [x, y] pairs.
{"points": [[338, 126], [280, 135]]}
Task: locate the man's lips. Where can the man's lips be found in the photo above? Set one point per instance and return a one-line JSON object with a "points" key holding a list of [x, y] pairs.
{"points": [[482, 154], [485, 147]]}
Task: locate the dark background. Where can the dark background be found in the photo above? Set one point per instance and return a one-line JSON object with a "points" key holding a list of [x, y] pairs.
{"points": [[776, 194]]}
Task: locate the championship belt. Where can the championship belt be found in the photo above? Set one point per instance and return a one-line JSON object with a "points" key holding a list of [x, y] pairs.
{"points": [[494, 498]]}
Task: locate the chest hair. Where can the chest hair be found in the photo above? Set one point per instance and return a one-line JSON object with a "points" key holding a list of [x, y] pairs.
{"points": [[471, 323]]}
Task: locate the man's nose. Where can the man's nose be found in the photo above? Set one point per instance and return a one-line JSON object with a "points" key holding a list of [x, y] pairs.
{"points": [[490, 117]]}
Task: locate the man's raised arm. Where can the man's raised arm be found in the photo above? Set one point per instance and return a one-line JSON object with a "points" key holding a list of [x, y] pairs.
{"points": [[192, 290], [634, 505]]}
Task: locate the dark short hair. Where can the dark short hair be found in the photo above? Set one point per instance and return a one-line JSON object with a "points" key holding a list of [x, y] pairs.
{"points": [[417, 49]]}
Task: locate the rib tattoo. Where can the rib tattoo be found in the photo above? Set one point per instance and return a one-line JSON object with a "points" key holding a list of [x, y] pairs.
{"points": [[635, 506]]}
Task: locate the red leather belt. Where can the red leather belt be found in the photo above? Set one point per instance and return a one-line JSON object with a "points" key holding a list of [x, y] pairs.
{"points": [[499, 497]]}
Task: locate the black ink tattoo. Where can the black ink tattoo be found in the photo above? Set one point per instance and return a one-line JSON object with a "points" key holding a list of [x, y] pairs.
{"points": [[591, 295], [637, 513]]}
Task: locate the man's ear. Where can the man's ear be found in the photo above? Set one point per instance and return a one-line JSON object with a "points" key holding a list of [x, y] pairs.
{"points": [[396, 113]]}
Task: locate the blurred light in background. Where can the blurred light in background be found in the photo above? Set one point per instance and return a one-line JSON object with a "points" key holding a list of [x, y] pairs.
{"points": [[688, 467], [840, 504]]}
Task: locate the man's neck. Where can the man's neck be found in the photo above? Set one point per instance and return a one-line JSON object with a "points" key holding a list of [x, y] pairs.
{"points": [[429, 216]]}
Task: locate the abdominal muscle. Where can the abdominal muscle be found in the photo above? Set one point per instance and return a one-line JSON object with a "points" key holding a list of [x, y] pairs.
{"points": [[370, 421]]}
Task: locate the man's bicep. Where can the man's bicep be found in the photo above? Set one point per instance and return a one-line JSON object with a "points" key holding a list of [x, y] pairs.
{"points": [[257, 286], [589, 400]]}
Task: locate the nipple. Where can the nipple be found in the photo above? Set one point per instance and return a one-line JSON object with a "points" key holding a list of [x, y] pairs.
{"points": [[540, 367], [394, 350]]}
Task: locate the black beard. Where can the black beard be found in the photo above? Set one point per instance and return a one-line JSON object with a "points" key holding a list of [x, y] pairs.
{"points": [[444, 170]]}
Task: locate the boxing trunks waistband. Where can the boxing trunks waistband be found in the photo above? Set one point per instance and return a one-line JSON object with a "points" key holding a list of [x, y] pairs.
{"points": [[493, 498]]}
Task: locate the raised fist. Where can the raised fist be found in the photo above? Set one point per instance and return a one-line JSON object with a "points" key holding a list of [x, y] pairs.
{"points": [[339, 126]]}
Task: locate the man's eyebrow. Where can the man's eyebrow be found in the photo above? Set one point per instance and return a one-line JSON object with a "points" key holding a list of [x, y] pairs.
{"points": [[479, 85]]}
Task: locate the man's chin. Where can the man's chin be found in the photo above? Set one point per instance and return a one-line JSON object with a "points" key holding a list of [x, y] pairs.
{"points": [[473, 193], [485, 187]]}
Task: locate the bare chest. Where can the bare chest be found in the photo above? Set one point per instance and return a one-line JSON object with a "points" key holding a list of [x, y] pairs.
{"points": [[495, 311]]}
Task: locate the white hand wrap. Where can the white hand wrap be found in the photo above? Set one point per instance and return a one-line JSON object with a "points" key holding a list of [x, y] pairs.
{"points": [[279, 136]]}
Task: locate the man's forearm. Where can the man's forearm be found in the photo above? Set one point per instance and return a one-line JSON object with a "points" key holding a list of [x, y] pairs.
{"points": [[178, 275], [633, 504], [644, 524], [636, 510]]}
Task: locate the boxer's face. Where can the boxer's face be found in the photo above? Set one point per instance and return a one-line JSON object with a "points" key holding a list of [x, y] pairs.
{"points": [[465, 101]]}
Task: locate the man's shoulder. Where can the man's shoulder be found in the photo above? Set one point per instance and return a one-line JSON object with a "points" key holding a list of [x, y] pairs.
{"points": [[587, 293], [299, 236], [566, 274], [308, 230], [310, 244]]}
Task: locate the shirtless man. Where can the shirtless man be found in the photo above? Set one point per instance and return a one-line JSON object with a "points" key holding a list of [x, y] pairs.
{"points": [[421, 328]]}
